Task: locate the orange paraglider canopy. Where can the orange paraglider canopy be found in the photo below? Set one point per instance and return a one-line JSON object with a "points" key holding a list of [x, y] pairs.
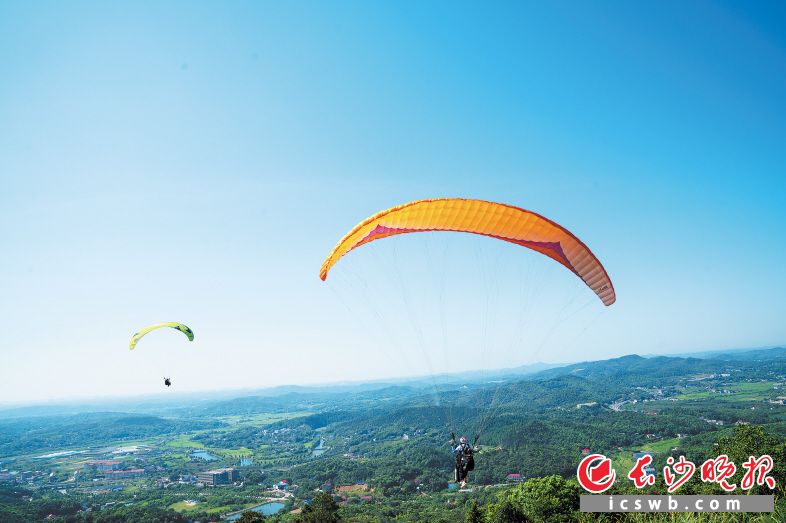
{"points": [[497, 220]]}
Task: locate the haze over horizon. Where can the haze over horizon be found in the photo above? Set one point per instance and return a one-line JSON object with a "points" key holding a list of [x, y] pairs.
{"points": [[168, 396], [195, 163]]}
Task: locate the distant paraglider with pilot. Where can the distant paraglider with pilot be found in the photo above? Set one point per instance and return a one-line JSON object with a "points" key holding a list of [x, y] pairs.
{"points": [[174, 325]]}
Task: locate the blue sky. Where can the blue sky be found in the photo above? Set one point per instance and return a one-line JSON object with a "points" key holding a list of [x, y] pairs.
{"points": [[195, 162]]}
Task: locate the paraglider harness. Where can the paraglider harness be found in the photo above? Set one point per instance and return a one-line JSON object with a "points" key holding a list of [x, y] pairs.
{"points": [[167, 382], [465, 461]]}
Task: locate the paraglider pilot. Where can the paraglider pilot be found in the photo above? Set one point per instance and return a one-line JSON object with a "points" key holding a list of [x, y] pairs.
{"points": [[167, 382], [465, 461]]}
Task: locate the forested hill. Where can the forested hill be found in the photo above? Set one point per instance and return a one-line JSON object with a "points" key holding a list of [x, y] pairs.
{"points": [[747, 355], [656, 367], [553, 387], [40, 433]]}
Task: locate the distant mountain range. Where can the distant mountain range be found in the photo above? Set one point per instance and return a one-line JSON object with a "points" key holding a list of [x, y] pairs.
{"points": [[764, 353], [402, 387]]}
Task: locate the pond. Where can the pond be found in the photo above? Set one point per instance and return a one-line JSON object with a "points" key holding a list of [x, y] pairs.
{"points": [[267, 509], [203, 456], [319, 449]]}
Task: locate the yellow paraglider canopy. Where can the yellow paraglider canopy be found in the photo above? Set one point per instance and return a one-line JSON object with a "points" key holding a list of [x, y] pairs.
{"points": [[174, 325]]}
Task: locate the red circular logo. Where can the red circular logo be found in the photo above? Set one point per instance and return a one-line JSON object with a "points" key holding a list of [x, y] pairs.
{"points": [[595, 473]]}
